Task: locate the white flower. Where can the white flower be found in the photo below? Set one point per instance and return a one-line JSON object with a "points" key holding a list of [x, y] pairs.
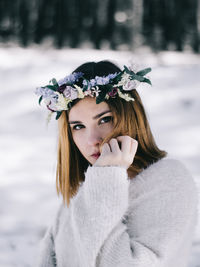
{"points": [[134, 67], [88, 92], [127, 83], [96, 91], [125, 96], [80, 92], [47, 101], [124, 79], [61, 104], [107, 96], [130, 85]]}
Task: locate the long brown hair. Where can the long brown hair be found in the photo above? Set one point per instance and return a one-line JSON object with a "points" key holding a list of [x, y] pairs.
{"points": [[129, 118]]}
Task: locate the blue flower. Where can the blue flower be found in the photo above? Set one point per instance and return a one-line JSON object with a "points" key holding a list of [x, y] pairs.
{"points": [[93, 82], [112, 75], [46, 93], [105, 79], [70, 79], [85, 82]]}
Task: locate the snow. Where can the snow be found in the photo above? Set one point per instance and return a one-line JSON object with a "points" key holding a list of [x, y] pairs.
{"points": [[28, 148]]}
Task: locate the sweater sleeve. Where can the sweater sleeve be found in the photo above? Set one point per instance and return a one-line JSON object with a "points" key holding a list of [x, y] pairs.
{"points": [[97, 208], [47, 254], [162, 217], [47, 257]]}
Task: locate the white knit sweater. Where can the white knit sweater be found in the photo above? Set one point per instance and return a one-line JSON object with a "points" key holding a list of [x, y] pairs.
{"points": [[113, 221]]}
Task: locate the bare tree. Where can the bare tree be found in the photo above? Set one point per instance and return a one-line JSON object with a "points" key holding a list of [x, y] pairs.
{"points": [[198, 26], [137, 23]]}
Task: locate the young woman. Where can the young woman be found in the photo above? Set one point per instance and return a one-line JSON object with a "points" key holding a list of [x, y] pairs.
{"points": [[125, 203]]}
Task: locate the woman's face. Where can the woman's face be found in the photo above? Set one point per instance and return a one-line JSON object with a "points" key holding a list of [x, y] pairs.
{"points": [[90, 123]]}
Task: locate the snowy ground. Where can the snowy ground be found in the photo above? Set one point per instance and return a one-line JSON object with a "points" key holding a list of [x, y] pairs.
{"points": [[28, 148]]}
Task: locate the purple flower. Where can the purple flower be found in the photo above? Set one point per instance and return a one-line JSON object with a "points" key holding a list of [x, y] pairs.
{"points": [[61, 88], [113, 92], [70, 92]]}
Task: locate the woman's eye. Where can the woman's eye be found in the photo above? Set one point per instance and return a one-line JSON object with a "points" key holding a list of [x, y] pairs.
{"points": [[102, 121], [77, 127], [106, 119]]}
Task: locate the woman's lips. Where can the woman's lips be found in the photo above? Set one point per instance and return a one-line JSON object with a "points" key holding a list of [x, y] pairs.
{"points": [[96, 155]]}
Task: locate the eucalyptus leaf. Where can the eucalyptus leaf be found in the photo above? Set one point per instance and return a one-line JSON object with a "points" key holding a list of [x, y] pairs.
{"points": [[117, 78], [143, 72], [52, 87], [137, 77], [126, 69], [104, 89], [58, 114], [40, 99], [147, 81], [99, 99], [55, 83]]}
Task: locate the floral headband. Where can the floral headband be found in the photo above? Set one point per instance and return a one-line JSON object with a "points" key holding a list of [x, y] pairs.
{"points": [[58, 96]]}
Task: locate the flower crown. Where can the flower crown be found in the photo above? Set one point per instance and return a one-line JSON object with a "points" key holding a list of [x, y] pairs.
{"points": [[58, 96]]}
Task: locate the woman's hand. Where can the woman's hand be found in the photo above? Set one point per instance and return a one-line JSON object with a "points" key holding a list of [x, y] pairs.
{"points": [[113, 155]]}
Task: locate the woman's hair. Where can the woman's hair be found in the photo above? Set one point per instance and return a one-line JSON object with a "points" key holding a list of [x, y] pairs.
{"points": [[129, 118]]}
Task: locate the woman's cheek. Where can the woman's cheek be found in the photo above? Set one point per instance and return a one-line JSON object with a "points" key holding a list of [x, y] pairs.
{"points": [[78, 140]]}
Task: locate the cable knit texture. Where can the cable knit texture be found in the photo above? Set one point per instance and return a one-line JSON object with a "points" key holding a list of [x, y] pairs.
{"points": [[114, 221]]}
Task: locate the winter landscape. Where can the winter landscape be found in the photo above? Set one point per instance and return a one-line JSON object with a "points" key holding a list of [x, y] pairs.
{"points": [[28, 199]]}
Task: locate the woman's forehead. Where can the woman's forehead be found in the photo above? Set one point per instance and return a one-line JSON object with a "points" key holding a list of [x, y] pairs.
{"points": [[87, 107]]}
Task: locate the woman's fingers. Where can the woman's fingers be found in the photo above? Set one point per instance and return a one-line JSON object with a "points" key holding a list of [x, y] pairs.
{"points": [[134, 146], [105, 149], [113, 153], [114, 145], [125, 143]]}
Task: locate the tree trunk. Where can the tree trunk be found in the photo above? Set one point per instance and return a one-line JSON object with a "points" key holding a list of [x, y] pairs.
{"points": [[137, 23], [197, 34], [24, 22]]}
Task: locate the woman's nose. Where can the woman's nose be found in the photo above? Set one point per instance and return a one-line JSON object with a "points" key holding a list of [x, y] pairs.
{"points": [[94, 139]]}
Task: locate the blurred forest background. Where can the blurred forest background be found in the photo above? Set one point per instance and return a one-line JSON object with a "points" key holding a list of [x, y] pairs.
{"points": [[114, 24]]}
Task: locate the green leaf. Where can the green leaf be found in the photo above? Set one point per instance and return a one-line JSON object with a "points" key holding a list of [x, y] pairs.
{"points": [[40, 99], [144, 71], [104, 89], [137, 77], [58, 114], [147, 81], [54, 82], [52, 87], [108, 88], [118, 77], [99, 99], [126, 69]]}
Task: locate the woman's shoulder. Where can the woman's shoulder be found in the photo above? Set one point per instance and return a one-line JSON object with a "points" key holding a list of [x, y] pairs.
{"points": [[166, 166], [166, 172]]}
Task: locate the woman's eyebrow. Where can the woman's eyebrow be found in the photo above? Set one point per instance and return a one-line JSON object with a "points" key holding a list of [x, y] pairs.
{"points": [[94, 118]]}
